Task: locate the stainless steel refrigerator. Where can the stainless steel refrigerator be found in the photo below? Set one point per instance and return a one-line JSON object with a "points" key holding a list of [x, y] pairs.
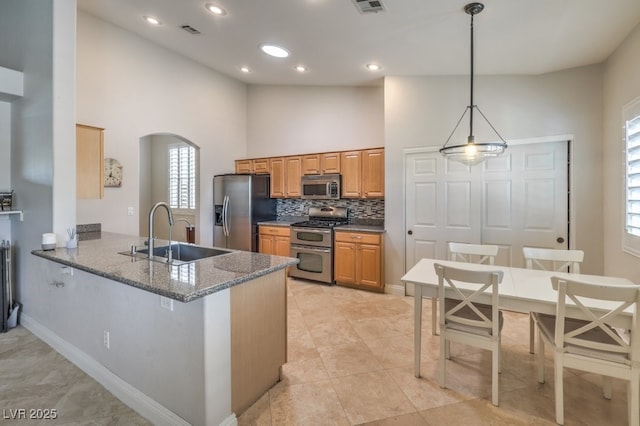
{"points": [[240, 202]]}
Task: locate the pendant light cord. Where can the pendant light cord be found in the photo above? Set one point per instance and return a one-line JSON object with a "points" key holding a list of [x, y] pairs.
{"points": [[471, 105]]}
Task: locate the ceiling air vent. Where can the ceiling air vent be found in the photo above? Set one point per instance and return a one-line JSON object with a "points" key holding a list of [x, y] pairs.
{"points": [[369, 6], [190, 29]]}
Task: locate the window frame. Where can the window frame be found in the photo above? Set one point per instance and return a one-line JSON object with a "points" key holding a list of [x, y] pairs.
{"points": [[630, 113]]}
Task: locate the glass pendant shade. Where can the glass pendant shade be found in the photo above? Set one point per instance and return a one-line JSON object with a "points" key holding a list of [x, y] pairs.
{"points": [[471, 153]]}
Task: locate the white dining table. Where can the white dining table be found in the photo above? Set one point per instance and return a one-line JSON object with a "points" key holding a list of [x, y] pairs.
{"points": [[521, 290]]}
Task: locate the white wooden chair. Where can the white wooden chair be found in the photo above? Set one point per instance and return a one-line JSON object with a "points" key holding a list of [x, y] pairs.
{"points": [[592, 343], [550, 260], [463, 252], [464, 320]]}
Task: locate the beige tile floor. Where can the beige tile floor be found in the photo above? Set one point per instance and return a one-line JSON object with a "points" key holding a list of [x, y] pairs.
{"points": [[350, 362]]}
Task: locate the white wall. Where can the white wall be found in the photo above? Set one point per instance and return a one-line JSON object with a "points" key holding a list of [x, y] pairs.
{"points": [[42, 129], [621, 85], [422, 111], [287, 120], [134, 88]]}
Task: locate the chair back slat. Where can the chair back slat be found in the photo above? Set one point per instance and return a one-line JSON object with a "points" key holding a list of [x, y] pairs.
{"points": [[461, 304], [600, 320], [560, 260], [473, 253]]}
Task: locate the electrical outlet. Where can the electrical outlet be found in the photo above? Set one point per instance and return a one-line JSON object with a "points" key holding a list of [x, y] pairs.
{"points": [[129, 211], [367, 209], [66, 270], [106, 339], [166, 303]]}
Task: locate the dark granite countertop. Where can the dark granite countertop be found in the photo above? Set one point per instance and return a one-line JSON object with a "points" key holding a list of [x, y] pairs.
{"points": [[184, 283], [360, 228]]}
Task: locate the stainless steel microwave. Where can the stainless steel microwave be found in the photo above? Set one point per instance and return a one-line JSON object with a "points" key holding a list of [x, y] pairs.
{"points": [[321, 187]]}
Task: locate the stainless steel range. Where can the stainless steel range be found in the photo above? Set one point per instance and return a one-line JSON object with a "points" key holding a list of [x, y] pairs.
{"points": [[312, 243]]}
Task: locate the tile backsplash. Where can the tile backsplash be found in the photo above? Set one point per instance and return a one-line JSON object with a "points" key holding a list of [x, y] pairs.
{"points": [[359, 210]]}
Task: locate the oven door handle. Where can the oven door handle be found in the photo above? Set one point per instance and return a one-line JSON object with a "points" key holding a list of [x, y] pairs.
{"points": [[312, 230], [319, 250]]}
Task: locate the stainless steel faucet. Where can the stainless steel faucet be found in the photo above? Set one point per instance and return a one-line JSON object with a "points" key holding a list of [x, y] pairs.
{"points": [[151, 214]]}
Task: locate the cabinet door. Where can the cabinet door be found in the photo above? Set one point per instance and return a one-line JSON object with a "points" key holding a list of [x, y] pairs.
{"points": [[344, 265], [89, 162], [261, 165], [368, 268], [330, 162], [292, 175], [277, 177], [311, 164], [265, 244], [351, 167], [373, 173], [243, 166], [282, 247]]}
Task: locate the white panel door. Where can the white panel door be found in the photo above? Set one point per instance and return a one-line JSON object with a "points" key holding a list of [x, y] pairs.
{"points": [[518, 199], [442, 199], [525, 199]]}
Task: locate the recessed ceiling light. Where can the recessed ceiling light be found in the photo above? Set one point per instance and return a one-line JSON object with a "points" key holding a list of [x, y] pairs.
{"points": [[152, 20], [300, 68], [245, 70], [373, 67], [215, 9], [273, 50]]}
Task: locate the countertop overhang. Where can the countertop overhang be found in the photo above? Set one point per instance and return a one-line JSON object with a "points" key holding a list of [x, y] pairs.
{"points": [[183, 283]]}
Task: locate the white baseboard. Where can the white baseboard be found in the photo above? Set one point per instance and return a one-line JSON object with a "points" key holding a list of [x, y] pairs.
{"points": [[394, 289], [138, 401], [230, 421]]}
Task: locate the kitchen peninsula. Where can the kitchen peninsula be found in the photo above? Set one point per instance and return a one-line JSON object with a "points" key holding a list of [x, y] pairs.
{"points": [[195, 343]]}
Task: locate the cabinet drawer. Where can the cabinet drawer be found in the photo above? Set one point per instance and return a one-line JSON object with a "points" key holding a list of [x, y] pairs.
{"points": [[357, 237], [281, 231]]}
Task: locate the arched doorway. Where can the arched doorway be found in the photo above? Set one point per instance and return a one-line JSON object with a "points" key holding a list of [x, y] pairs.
{"points": [[164, 158]]}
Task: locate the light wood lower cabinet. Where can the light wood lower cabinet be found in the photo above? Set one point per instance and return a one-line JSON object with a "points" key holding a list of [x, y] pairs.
{"points": [[274, 240], [358, 260]]}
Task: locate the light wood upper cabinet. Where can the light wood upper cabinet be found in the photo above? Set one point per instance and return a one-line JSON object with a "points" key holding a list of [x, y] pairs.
{"points": [[311, 164], [277, 177], [89, 162], [373, 173], [261, 165], [292, 175], [330, 163], [351, 167], [362, 171], [244, 166]]}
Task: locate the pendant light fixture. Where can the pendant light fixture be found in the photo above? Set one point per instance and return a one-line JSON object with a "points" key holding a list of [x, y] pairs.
{"points": [[471, 152]]}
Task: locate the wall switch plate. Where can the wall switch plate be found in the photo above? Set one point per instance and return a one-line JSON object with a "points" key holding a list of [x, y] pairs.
{"points": [[129, 211], [106, 339], [166, 303]]}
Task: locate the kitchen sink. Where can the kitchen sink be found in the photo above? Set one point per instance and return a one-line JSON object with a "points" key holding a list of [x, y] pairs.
{"points": [[180, 253]]}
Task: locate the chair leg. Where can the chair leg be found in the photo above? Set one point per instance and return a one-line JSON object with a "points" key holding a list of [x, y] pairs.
{"points": [[531, 334], [559, 383], [495, 367], [434, 316], [606, 386], [633, 394], [540, 358], [443, 361]]}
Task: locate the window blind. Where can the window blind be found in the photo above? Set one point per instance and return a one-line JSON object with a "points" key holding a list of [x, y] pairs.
{"points": [[182, 177]]}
